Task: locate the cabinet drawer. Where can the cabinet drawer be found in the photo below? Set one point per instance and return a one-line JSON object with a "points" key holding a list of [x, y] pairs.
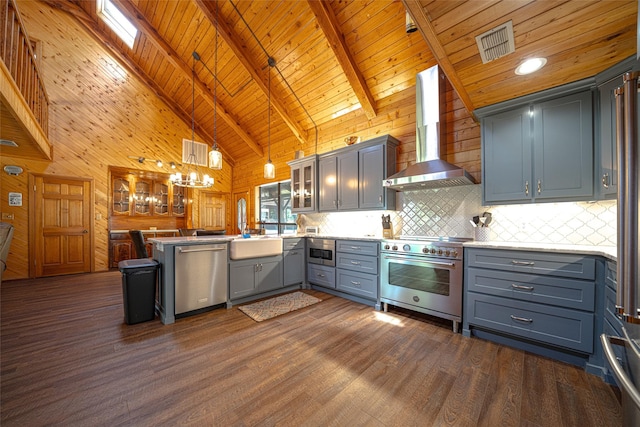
{"points": [[563, 265], [365, 285], [611, 275], [610, 312], [552, 325], [321, 275], [365, 264], [291, 244], [569, 293], [357, 247]]}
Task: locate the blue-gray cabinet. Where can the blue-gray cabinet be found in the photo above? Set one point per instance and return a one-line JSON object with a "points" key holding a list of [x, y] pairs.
{"points": [[374, 166], [612, 324], [539, 151], [606, 181], [338, 181], [607, 184], [357, 268], [543, 299], [254, 276], [293, 258], [304, 184], [506, 155], [321, 275], [351, 178]]}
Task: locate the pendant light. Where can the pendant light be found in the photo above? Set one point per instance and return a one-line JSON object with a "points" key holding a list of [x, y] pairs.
{"points": [[269, 168], [215, 156], [190, 175]]}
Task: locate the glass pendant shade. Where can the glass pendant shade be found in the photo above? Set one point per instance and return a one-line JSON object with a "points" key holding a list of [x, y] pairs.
{"points": [[215, 159], [269, 170]]}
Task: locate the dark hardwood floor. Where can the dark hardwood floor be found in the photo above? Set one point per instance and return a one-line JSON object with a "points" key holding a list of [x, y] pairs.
{"points": [[68, 359]]}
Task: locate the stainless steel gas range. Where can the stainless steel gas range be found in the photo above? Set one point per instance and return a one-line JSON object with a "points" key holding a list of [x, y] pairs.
{"points": [[423, 274]]}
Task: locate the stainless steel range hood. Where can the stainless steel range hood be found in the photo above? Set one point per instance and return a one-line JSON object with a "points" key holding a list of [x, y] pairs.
{"points": [[429, 171]]}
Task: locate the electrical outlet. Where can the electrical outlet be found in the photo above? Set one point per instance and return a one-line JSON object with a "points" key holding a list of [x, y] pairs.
{"points": [[7, 215], [523, 226]]}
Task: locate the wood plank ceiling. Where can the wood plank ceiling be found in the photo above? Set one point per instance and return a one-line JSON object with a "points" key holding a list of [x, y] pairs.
{"points": [[333, 55]]}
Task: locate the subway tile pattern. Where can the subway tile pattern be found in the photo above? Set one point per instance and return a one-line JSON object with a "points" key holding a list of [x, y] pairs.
{"points": [[447, 211]]}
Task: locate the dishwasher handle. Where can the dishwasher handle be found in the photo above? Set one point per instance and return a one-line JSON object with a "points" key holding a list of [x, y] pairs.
{"points": [[186, 251]]}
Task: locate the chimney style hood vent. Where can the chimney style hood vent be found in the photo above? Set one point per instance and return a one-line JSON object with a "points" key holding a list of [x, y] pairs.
{"points": [[429, 171]]}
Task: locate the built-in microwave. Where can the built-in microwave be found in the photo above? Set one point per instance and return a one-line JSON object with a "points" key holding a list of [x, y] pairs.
{"points": [[321, 251]]}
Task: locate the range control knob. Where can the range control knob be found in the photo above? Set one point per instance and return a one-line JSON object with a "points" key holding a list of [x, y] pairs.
{"points": [[454, 253], [387, 247], [433, 251], [425, 250], [439, 251], [447, 252], [406, 248], [394, 247]]}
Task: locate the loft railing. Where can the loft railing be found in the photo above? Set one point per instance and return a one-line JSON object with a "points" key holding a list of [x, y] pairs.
{"points": [[18, 56]]}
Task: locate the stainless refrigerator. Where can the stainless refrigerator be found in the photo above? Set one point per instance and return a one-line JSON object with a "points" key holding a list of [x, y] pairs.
{"points": [[627, 368]]}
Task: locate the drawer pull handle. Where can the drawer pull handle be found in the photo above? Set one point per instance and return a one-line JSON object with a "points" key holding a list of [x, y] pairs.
{"points": [[521, 319], [355, 262], [320, 275], [514, 262], [521, 287], [355, 283], [357, 248]]}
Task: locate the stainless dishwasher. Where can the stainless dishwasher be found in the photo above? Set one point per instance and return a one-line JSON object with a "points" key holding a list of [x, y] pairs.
{"points": [[200, 277]]}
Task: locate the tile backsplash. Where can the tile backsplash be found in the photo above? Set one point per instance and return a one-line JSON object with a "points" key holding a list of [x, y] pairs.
{"points": [[447, 211]]}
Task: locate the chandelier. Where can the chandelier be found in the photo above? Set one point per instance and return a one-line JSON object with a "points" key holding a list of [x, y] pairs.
{"points": [[190, 175]]}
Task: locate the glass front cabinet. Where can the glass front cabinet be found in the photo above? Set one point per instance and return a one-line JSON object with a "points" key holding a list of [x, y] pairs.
{"points": [[138, 196], [303, 184]]}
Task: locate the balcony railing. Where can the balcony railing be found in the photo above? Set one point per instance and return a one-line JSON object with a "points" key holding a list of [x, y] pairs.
{"points": [[18, 56]]}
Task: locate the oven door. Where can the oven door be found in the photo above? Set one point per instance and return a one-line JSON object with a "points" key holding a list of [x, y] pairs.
{"points": [[433, 285]]}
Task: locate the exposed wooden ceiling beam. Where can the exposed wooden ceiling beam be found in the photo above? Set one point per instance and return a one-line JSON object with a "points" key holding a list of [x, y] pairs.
{"points": [[255, 71], [429, 34], [329, 26], [172, 57]]}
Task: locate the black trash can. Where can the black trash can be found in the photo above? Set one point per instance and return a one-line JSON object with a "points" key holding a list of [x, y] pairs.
{"points": [[139, 278]]}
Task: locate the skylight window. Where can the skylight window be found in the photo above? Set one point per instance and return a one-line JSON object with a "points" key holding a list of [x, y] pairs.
{"points": [[116, 20]]}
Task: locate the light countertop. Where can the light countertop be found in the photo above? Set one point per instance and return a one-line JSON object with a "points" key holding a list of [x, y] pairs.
{"points": [[609, 252]]}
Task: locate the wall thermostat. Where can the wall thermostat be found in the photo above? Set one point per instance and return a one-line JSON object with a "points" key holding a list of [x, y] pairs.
{"points": [[13, 170]]}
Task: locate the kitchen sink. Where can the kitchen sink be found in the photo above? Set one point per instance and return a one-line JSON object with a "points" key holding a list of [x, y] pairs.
{"points": [[255, 247]]}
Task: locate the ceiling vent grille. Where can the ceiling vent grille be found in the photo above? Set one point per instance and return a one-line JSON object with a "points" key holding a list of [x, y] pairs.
{"points": [[198, 148], [496, 42]]}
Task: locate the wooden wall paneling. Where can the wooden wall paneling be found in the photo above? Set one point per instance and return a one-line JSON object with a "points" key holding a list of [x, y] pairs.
{"points": [[97, 119]]}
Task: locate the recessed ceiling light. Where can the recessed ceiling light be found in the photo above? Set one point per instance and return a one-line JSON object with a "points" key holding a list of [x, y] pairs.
{"points": [[530, 65]]}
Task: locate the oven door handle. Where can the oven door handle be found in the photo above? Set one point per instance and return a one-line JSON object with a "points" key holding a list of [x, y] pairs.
{"points": [[424, 261]]}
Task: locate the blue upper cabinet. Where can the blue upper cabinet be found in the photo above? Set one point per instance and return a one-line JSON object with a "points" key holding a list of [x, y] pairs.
{"points": [[506, 145], [606, 181], [563, 148], [350, 178], [539, 150]]}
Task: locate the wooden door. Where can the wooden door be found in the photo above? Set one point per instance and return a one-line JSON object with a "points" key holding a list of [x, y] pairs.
{"points": [[213, 210], [61, 241]]}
